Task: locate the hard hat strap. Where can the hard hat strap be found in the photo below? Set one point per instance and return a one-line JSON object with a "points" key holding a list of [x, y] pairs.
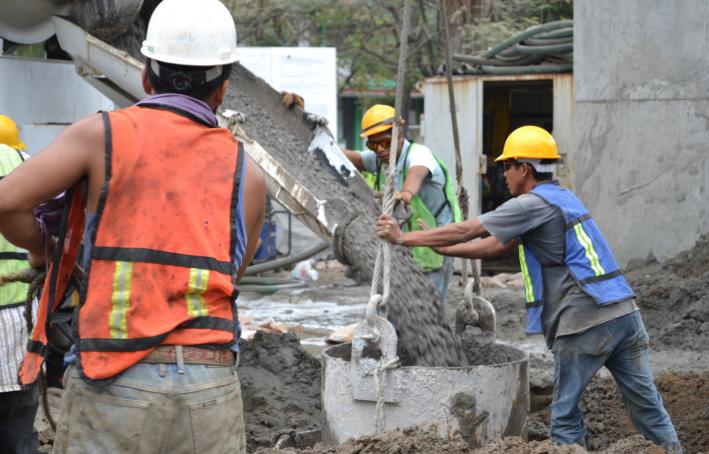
{"points": [[389, 121], [538, 166], [183, 80]]}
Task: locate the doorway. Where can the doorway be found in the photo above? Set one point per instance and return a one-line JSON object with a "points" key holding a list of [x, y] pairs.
{"points": [[508, 105]]}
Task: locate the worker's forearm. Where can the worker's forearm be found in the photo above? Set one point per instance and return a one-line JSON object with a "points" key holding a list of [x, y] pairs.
{"points": [[414, 180], [21, 229], [446, 235], [485, 248], [355, 158]]}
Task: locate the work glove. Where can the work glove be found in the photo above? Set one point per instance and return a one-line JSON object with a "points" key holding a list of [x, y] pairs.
{"points": [[292, 99]]}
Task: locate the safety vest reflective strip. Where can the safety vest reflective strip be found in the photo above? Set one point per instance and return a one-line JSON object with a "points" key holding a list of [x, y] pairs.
{"points": [[591, 254], [195, 293], [121, 300], [528, 289]]}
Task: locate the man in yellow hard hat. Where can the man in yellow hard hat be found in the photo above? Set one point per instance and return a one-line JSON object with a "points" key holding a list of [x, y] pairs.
{"points": [[423, 183], [18, 407], [575, 293]]}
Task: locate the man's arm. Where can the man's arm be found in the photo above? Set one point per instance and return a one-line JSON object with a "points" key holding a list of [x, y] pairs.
{"points": [[388, 229], [355, 158], [485, 248], [254, 211], [414, 179], [74, 154]]}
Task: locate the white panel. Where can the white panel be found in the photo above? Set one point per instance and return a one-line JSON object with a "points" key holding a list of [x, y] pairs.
{"points": [[36, 137], [46, 92], [564, 125], [438, 132], [310, 72]]}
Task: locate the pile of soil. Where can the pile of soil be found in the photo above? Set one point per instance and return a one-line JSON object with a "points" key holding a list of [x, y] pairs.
{"points": [[425, 440], [674, 298], [280, 385], [686, 398], [609, 428]]}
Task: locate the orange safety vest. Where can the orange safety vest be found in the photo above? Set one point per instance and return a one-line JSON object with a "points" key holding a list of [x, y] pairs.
{"points": [[161, 268]]}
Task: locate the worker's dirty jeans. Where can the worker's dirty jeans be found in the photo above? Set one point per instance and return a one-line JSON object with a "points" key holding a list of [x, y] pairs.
{"points": [[441, 277], [622, 346], [153, 408], [17, 413]]}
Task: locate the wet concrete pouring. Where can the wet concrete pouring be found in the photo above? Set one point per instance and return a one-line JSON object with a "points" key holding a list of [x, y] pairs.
{"points": [[348, 204]]}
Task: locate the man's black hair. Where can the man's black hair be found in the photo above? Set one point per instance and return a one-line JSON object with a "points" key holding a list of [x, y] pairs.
{"points": [[195, 81]]}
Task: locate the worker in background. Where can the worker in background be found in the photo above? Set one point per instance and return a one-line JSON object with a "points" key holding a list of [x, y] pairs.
{"points": [[575, 293], [423, 183], [174, 213], [18, 407]]}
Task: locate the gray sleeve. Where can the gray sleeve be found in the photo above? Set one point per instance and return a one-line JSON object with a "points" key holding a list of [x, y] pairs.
{"points": [[516, 217], [369, 160]]}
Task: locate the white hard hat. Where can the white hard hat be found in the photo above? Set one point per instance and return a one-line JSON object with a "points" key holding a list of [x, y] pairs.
{"points": [[191, 33]]}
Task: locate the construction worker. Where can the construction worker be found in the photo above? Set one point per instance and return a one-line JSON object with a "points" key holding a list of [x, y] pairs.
{"points": [[174, 214], [423, 183], [575, 293], [18, 407]]}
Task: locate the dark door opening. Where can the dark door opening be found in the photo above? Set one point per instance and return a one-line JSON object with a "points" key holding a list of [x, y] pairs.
{"points": [[508, 105]]}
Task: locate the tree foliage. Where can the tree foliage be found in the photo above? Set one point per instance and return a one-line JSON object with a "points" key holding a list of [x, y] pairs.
{"points": [[366, 32]]}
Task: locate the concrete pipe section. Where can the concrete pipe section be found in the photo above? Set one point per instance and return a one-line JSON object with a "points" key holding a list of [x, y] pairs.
{"points": [[30, 21], [365, 391]]}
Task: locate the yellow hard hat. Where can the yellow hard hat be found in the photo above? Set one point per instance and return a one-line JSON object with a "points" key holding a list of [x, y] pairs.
{"points": [[9, 135], [531, 142], [376, 119]]}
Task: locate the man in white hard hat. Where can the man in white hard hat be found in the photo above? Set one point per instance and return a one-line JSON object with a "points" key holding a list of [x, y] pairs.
{"points": [[168, 233]]}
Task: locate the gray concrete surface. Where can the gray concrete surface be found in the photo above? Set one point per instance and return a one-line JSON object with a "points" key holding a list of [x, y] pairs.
{"points": [[641, 75]]}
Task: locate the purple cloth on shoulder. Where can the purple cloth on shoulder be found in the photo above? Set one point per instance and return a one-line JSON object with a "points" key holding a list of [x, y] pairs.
{"points": [[49, 214], [199, 109]]}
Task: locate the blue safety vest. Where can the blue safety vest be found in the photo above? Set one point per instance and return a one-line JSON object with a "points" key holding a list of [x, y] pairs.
{"points": [[587, 256]]}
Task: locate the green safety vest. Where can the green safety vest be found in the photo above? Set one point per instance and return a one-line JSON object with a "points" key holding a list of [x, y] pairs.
{"points": [[425, 257], [12, 259]]}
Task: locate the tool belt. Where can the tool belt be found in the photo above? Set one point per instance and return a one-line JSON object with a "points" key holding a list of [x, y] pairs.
{"points": [[169, 354]]}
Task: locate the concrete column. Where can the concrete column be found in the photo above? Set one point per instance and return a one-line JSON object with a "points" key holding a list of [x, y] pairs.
{"points": [[641, 90]]}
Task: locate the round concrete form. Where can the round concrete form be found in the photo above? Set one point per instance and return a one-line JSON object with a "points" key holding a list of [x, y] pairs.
{"points": [[484, 401]]}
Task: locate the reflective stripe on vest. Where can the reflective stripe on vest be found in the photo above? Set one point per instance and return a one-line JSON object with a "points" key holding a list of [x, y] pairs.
{"points": [[120, 300], [161, 267], [587, 255], [532, 279], [12, 259], [590, 252], [195, 293]]}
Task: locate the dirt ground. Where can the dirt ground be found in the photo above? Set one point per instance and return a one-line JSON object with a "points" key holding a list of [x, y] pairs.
{"points": [[281, 381], [674, 300]]}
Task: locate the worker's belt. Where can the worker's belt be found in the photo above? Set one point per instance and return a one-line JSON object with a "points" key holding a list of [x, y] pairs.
{"points": [[168, 354]]}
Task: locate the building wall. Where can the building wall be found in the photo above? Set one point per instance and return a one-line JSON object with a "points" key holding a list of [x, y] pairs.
{"points": [[437, 130], [641, 70], [44, 97]]}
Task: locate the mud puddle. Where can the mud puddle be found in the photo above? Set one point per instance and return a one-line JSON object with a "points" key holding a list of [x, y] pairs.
{"points": [[319, 309]]}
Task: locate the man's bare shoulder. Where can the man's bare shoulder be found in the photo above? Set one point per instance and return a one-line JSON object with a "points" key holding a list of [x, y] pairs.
{"points": [[253, 176]]}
